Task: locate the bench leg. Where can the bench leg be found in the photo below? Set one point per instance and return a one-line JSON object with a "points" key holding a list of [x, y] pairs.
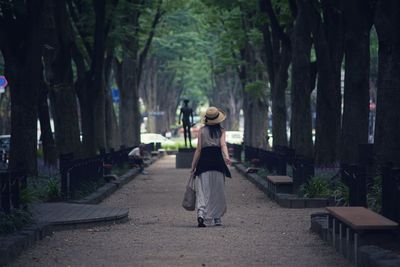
{"points": [[333, 233], [340, 237], [347, 242], [355, 247], [327, 228]]}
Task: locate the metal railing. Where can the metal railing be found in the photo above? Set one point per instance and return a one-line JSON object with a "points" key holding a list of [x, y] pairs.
{"points": [[11, 183]]}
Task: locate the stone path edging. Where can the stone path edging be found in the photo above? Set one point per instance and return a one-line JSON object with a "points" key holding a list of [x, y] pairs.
{"points": [[15, 243], [284, 200]]}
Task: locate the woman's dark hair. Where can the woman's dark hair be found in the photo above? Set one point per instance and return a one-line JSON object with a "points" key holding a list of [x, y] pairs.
{"points": [[215, 130]]}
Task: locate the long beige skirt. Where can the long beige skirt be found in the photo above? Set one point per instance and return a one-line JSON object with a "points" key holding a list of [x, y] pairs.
{"points": [[210, 195]]}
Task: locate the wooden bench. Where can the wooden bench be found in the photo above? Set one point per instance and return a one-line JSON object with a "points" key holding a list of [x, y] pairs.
{"points": [[355, 220], [280, 184]]}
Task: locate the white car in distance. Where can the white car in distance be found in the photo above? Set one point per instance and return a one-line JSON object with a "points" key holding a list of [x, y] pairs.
{"points": [[148, 138]]}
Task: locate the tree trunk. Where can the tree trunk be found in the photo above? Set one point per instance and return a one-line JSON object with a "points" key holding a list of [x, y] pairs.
{"points": [[301, 129], [328, 39], [46, 136], [387, 19], [22, 56], [278, 57], [5, 105], [255, 108], [129, 114], [356, 84], [59, 76], [96, 81], [87, 109], [278, 91], [112, 130]]}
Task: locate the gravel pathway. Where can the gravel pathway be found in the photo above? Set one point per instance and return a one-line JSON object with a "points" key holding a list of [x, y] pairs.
{"points": [[255, 231]]}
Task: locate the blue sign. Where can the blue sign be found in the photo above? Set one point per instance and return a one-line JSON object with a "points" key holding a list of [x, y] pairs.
{"points": [[115, 95], [3, 81]]}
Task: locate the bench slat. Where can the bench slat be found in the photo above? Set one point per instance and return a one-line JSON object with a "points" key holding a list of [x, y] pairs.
{"points": [[276, 179], [360, 218]]}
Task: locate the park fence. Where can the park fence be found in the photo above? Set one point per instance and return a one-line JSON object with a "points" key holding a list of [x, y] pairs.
{"points": [[360, 178], [11, 183], [276, 161], [79, 173]]}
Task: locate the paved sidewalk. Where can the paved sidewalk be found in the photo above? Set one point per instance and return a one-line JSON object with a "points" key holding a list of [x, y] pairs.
{"points": [[255, 231]]}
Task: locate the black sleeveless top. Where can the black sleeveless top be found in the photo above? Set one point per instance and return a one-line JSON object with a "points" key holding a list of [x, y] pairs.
{"points": [[211, 158]]}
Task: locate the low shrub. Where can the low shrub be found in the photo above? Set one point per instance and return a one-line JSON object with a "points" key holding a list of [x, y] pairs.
{"points": [[53, 190], [13, 221], [341, 194], [316, 187]]}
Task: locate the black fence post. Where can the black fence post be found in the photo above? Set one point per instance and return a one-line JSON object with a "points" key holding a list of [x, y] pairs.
{"points": [[390, 192], [282, 164], [396, 203], [5, 191], [303, 170], [348, 178], [366, 159], [355, 178], [361, 186], [65, 160], [17, 181]]}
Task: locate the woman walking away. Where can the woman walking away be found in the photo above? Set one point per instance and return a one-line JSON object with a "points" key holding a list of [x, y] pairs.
{"points": [[210, 166]]}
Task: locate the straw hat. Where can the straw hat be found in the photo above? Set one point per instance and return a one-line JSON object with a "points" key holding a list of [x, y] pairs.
{"points": [[214, 116]]}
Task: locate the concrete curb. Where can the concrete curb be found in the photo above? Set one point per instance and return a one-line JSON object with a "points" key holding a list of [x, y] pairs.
{"points": [[374, 256], [12, 245], [284, 200]]}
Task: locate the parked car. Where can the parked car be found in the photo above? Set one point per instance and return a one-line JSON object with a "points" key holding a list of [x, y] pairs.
{"points": [[148, 138], [234, 137]]}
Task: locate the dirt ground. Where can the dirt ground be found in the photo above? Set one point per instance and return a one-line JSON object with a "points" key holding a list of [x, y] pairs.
{"points": [[255, 231]]}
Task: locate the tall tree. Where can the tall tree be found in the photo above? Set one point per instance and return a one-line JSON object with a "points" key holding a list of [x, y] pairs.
{"points": [[132, 65], [328, 33], [277, 47], [387, 18], [255, 102], [21, 45], [92, 25], [358, 21], [301, 128], [58, 71]]}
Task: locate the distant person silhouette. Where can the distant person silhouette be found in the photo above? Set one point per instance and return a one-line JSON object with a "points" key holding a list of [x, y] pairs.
{"points": [[186, 113]]}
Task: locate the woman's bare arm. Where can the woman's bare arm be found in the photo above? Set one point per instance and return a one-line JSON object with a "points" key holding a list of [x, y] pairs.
{"points": [[197, 152], [224, 148]]}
